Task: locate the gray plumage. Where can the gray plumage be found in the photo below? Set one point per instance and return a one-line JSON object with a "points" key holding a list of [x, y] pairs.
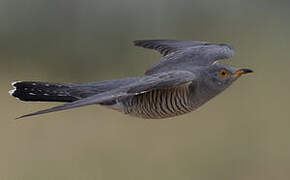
{"points": [[186, 77]]}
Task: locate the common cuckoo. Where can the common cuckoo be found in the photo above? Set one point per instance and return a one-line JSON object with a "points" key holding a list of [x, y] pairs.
{"points": [[186, 76]]}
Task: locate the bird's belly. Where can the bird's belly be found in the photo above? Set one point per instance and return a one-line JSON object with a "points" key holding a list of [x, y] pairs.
{"points": [[159, 103]]}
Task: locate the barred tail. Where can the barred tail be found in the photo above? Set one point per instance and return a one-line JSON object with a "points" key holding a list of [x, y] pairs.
{"points": [[43, 91]]}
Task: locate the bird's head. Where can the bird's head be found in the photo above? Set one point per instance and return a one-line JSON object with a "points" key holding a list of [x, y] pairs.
{"points": [[221, 76]]}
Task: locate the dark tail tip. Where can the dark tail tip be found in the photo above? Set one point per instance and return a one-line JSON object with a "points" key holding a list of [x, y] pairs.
{"points": [[41, 91]]}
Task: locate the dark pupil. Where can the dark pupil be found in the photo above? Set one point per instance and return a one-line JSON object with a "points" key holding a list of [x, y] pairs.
{"points": [[223, 73]]}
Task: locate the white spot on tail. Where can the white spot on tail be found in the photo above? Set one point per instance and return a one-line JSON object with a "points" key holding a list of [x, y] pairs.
{"points": [[45, 94], [11, 92], [61, 95], [15, 82], [47, 85], [34, 84], [32, 94]]}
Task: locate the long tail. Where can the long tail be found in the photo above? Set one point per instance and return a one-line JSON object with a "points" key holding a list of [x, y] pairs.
{"points": [[63, 92], [77, 94], [44, 91]]}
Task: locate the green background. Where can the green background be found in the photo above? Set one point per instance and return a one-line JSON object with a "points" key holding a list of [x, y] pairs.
{"points": [[242, 134]]}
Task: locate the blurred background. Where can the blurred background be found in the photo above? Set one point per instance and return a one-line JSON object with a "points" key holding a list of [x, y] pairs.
{"points": [[242, 134]]}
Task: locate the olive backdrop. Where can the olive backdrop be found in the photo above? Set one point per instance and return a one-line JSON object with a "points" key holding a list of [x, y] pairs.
{"points": [[242, 134]]}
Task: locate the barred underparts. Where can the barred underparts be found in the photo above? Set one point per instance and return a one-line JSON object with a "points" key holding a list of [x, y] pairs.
{"points": [[159, 103]]}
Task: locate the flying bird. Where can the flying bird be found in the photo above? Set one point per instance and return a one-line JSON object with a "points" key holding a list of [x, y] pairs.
{"points": [[186, 77]]}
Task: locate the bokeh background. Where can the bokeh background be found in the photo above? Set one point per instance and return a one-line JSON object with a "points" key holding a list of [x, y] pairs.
{"points": [[242, 134]]}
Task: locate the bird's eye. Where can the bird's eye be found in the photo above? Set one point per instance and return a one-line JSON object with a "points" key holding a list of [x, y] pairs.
{"points": [[223, 73]]}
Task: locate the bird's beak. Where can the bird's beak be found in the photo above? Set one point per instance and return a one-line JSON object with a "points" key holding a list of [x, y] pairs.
{"points": [[242, 71]]}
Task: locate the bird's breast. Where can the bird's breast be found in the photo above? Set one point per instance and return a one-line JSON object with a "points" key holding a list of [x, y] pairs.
{"points": [[159, 103]]}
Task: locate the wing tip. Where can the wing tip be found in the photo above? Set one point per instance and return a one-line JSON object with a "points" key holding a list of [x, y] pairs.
{"points": [[137, 42], [140, 42], [27, 115], [225, 51], [20, 117], [230, 51], [23, 116], [146, 41]]}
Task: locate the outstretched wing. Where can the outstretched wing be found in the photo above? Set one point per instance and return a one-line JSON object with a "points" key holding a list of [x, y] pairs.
{"points": [[179, 55], [167, 46], [145, 84]]}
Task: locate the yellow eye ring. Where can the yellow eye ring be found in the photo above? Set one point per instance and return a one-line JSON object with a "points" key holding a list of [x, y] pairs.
{"points": [[223, 73]]}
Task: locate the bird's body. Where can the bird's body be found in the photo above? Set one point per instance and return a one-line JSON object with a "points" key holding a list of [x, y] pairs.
{"points": [[185, 78]]}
